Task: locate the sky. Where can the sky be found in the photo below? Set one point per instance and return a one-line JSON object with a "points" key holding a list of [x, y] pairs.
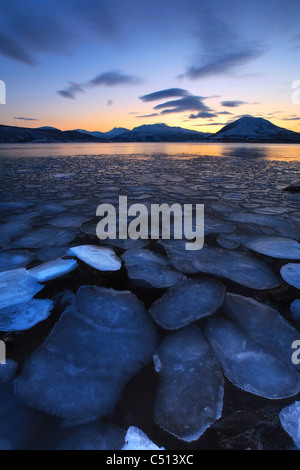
{"points": [[99, 64]]}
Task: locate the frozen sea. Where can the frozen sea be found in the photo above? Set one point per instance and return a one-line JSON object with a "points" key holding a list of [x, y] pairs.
{"points": [[132, 326]]}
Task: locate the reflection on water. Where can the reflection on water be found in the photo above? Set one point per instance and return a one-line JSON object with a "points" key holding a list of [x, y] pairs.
{"points": [[187, 150]]}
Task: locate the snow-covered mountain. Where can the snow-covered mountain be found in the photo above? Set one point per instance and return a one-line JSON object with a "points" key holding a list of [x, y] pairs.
{"points": [[115, 132], [161, 133], [251, 129]]}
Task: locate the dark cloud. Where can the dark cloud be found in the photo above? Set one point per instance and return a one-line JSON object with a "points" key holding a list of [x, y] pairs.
{"points": [[212, 124], [224, 112], [148, 115], [188, 103], [222, 63], [163, 94], [71, 90], [203, 115], [233, 103], [114, 78], [26, 119], [109, 103], [291, 119], [10, 48]]}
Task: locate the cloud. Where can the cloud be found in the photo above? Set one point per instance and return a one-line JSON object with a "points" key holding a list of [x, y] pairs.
{"points": [[233, 103], [203, 114], [71, 90], [109, 103], [187, 103], [164, 94], [291, 119], [222, 63], [26, 119], [148, 115], [10, 48], [212, 124], [224, 112], [114, 78]]}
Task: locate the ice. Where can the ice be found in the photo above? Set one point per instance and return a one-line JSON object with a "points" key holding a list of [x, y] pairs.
{"points": [[290, 421], [68, 220], [190, 391], [276, 247], [14, 228], [136, 439], [188, 302], [14, 259], [148, 268], [295, 310], [8, 370], [247, 365], [25, 315], [241, 268], [18, 425], [99, 257], [44, 237], [291, 274], [99, 343], [17, 286], [264, 324], [94, 436], [51, 252], [53, 269]]}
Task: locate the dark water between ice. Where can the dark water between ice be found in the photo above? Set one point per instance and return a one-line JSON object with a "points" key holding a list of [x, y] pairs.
{"points": [[243, 150]]}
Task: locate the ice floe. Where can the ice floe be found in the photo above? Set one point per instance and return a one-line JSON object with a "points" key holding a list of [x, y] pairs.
{"points": [[187, 302], [148, 268], [14, 259], [247, 365], [99, 257], [45, 236], [94, 436], [276, 247], [8, 370], [291, 274], [25, 315], [239, 267], [136, 439], [290, 421], [17, 286], [264, 324], [99, 343], [53, 269], [190, 392]]}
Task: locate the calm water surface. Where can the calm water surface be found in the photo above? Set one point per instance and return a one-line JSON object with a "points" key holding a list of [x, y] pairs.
{"points": [[288, 152]]}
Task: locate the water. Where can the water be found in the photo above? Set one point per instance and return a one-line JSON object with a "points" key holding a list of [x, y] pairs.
{"points": [[288, 152], [48, 205]]}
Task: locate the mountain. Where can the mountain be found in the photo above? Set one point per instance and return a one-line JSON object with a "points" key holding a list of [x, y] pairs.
{"points": [[251, 129], [245, 129], [160, 133], [42, 135], [115, 132]]}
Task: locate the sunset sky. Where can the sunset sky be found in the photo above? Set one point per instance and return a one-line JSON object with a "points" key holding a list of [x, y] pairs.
{"points": [[99, 64]]}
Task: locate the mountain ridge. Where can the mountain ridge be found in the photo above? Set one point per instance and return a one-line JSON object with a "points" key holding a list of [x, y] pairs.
{"points": [[244, 129]]}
